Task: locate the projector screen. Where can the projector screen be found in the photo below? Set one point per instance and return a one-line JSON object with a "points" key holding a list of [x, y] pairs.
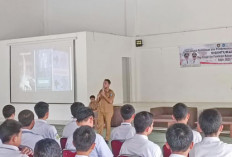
{"points": [[42, 72]]}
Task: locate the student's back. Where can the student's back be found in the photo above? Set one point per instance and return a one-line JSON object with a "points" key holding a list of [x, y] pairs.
{"points": [[210, 121], [72, 126], [125, 130], [139, 144], [41, 126]]}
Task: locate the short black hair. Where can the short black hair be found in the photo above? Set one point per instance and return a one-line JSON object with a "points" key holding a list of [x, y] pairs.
{"points": [[47, 147], [9, 128], [179, 137], [75, 107], [142, 120], [83, 138], [210, 121], [41, 108], [26, 117], [180, 111], [92, 96], [83, 114], [127, 111], [107, 80], [8, 110]]}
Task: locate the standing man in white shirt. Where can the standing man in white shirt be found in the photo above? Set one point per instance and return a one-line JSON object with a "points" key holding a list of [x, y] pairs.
{"points": [[180, 139], [29, 138], [85, 116], [10, 133], [210, 121], [41, 126], [181, 115], [47, 148], [84, 141], [125, 130], [72, 126], [139, 144]]}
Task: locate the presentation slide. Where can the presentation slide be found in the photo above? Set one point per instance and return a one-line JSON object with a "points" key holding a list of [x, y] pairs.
{"points": [[42, 72]]}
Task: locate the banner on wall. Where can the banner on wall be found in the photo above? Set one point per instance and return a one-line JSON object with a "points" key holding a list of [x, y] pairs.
{"points": [[197, 55]]}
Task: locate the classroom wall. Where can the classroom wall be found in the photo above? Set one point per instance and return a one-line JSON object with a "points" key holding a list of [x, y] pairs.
{"points": [[165, 16], [161, 79], [106, 62], [21, 18]]}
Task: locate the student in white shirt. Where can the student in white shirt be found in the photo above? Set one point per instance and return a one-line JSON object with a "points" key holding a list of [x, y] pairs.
{"points": [[85, 116], [10, 133], [181, 115], [47, 148], [210, 121], [41, 126], [29, 138], [84, 140], [180, 139], [8, 112], [139, 144], [72, 126], [125, 130]]}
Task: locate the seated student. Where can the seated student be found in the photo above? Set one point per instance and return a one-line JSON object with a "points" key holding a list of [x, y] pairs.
{"points": [[139, 144], [210, 121], [84, 117], [125, 130], [47, 148], [93, 103], [181, 115], [8, 112], [72, 126], [29, 138], [180, 139], [10, 133], [84, 141], [41, 126]]}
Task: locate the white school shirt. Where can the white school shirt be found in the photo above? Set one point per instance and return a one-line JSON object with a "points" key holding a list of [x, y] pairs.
{"points": [[81, 156], [69, 128], [196, 137], [211, 147], [46, 130], [101, 148], [140, 145], [123, 132], [176, 155], [10, 151], [30, 138]]}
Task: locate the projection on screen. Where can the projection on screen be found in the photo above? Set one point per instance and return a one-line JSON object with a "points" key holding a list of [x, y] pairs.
{"points": [[44, 70], [42, 74]]}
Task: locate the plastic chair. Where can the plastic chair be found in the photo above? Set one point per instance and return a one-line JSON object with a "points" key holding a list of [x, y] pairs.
{"points": [[63, 142], [68, 153], [166, 151], [116, 146]]}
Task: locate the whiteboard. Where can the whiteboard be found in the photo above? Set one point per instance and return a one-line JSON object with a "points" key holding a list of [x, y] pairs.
{"points": [[42, 71]]}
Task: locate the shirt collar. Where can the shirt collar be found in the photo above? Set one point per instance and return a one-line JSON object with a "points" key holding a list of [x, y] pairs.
{"points": [[176, 155], [26, 130], [125, 123], [81, 156], [142, 136], [211, 139], [41, 120], [7, 146]]}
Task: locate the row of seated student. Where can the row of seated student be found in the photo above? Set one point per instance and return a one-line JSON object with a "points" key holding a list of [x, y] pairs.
{"points": [[43, 139]]}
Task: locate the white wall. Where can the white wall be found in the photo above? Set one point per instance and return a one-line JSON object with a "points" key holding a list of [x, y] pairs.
{"points": [[160, 78], [104, 57], [165, 16], [21, 18]]}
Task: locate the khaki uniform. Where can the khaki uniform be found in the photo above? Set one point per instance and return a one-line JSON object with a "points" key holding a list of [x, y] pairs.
{"points": [[94, 106], [105, 113]]}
